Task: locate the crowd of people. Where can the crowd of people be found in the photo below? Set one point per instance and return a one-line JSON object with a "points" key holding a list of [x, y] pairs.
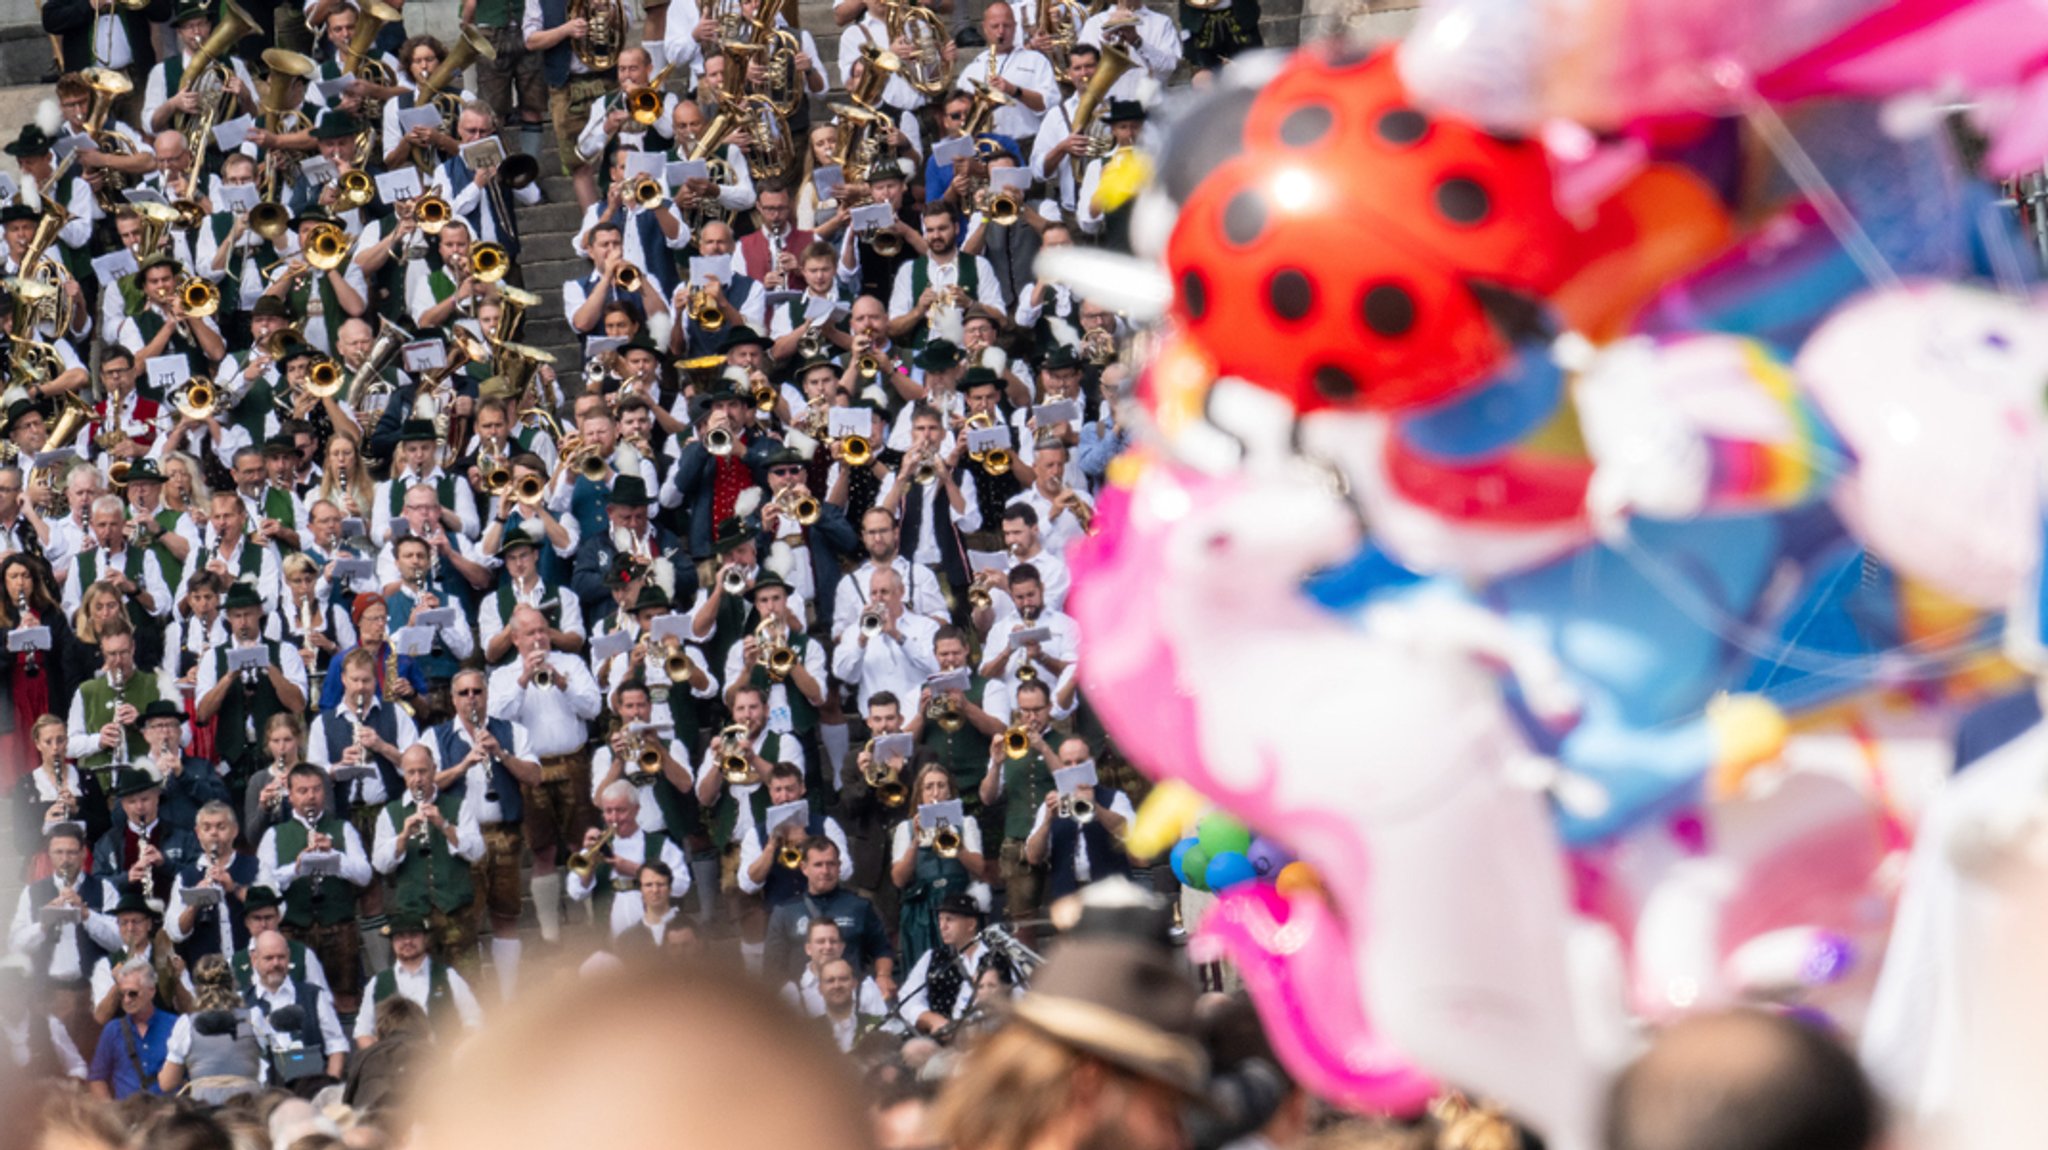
{"points": [[356, 648]]}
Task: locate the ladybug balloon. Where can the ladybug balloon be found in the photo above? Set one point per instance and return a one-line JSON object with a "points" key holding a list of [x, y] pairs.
{"points": [[1360, 253]]}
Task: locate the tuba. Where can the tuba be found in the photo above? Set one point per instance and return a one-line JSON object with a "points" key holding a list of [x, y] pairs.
{"points": [[926, 68], [208, 76], [467, 48], [107, 86], [599, 50], [371, 16]]}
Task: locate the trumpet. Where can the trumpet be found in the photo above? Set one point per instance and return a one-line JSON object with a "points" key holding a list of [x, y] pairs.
{"points": [[583, 863], [528, 489], [885, 780], [872, 623], [997, 460], [856, 450], [493, 473], [1016, 742], [790, 855], [718, 441], [764, 398], [945, 840], [704, 311], [644, 104], [733, 763], [798, 505], [1077, 808], [646, 192], [733, 582], [978, 597], [628, 279], [543, 677], [946, 713], [777, 656], [926, 472], [675, 659], [199, 298], [422, 834], [1003, 208]]}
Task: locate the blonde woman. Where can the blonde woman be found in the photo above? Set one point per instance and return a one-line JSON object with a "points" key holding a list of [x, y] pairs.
{"points": [[97, 607], [824, 217], [345, 478], [925, 878], [185, 487]]}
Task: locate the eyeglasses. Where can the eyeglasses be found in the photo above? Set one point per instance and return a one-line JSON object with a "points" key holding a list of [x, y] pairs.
{"points": [[466, 694], [786, 472]]}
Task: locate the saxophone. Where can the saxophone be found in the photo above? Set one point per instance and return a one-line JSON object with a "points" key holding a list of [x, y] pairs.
{"points": [[391, 674], [599, 48]]}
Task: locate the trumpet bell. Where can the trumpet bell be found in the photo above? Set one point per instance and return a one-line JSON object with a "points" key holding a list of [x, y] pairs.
{"points": [[1003, 210], [196, 402], [736, 770], [718, 441], [871, 624], [647, 191], [495, 478], [808, 510], [858, 451], [433, 214], [583, 863], [946, 841], [269, 220], [1082, 810], [887, 245], [791, 857], [629, 279], [324, 379], [1016, 743], [488, 263], [892, 794], [543, 678], [593, 467], [519, 171], [528, 489], [997, 461], [734, 582], [200, 299], [781, 661], [649, 758]]}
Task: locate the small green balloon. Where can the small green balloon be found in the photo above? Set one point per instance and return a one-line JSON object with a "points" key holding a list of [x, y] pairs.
{"points": [[1194, 868], [1221, 834]]}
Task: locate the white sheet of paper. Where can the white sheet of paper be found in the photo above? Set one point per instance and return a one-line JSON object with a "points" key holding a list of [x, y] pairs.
{"points": [[1011, 179], [894, 748], [53, 917], [346, 773], [350, 570], [953, 149], [28, 639], [683, 170], [319, 862], [114, 265], [318, 170], [403, 184], [55, 456], [68, 143], [1053, 414], [438, 617], [229, 136], [988, 561], [1023, 635], [168, 372], [1067, 778], [798, 812], [354, 529], [710, 269], [422, 355], [609, 646], [868, 217], [238, 197], [145, 196], [828, 180], [988, 439], [484, 153], [201, 896], [598, 345], [427, 116], [335, 89], [248, 658], [841, 422], [644, 164], [945, 681], [928, 815], [671, 626], [414, 640], [818, 310]]}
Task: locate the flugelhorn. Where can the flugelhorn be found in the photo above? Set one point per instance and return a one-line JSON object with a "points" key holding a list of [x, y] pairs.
{"points": [[798, 505], [583, 863], [675, 660], [945, 840], [733, 763], [1077, 808]]}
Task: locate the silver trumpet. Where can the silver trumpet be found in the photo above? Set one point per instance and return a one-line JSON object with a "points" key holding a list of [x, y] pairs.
{"points": [[422, 834], [1077, 808]]}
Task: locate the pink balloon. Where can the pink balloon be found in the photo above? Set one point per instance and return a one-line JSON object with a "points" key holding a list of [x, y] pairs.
{"points": [[1296, 961]]}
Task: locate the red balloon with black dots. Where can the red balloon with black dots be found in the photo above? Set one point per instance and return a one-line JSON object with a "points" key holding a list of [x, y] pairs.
{"points": [[1361, 253]]}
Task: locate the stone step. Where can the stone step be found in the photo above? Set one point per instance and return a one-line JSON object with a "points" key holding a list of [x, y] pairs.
{"points": [[552, 218], [551, 274], [548, 247]]}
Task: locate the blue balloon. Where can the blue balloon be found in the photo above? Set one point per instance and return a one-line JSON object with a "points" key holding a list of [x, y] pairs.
{"points": [[1229, 869], [1180, 853]]}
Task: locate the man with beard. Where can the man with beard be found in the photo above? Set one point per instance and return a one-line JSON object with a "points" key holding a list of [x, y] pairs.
{"points": [[930, 280]]}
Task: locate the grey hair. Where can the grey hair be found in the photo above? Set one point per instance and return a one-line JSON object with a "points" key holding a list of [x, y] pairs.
{"points": [[620, 790], [135, 966], [218, 807], [109, 503]]}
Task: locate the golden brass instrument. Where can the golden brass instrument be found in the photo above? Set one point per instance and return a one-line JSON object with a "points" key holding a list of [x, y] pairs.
{"points": [[584, 863], [1093, 103], [945, 840], [107, 86], [1059, 21], [207, 75], [39, 291], [157, 221], [764, 398], [391, 674], [358, 188], [599, 49], [328, 248], [926, 472], [647, 193], [645, 104], [704, 311], [978, 597], [369, 375], [885, 779], [199, 298], [280, 114], [789, 855], [799, 505], [488, 263], [363, 64], [269, 219], [981, 114], [324, 378], [528, 489], [997, 461], [1098, 347], [1016, 742], [733, 764], [492, 473], [513, 303], [777, 657], [675, 659], [469, 46], [432, 212], [856, 451], [629, 279], [926, 68], [945, 713], [196, 401]]}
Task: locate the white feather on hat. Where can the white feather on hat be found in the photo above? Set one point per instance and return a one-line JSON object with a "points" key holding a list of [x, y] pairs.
{"points": [[995, 359], [802, 444], [781, 559], [31, 196], [748, 502], [949, 324], [664, 575], [49, 117], [1064, 333]]}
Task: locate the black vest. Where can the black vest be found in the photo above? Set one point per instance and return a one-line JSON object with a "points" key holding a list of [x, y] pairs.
{"points": [[504, 786], [205, 936], [91, 892], [785, 884]]}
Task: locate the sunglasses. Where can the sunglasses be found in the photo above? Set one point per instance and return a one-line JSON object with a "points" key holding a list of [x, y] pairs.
{"points": [[465, 694]]}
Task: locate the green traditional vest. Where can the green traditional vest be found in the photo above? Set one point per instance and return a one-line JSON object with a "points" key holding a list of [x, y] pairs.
{"points": [[735, 618], [133, 561], [277, 504], [172, 568], [921, 278], [685, 710], [602, 887], [321, 899], [550, 609], [725, 813], [803, 717], [435, 878], [244, 716], [444, 493], [251, 562], [965, 751], [1026, 782], [139, 692], [149, 323], [441, 1009], [330, 318], [252, 413]]}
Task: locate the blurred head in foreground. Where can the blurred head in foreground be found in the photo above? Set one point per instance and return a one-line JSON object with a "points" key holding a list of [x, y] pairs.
{"points": [[703, 1033], [1743, 1080]]}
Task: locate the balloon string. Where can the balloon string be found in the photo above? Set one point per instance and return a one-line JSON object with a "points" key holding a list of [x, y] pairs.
{"points": [[1804, 172]]}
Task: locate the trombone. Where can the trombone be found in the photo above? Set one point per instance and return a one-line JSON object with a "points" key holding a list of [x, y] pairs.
{"points": [[488, 263], [433, 212], [198, 297], [644, 104], [325, 378]]}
